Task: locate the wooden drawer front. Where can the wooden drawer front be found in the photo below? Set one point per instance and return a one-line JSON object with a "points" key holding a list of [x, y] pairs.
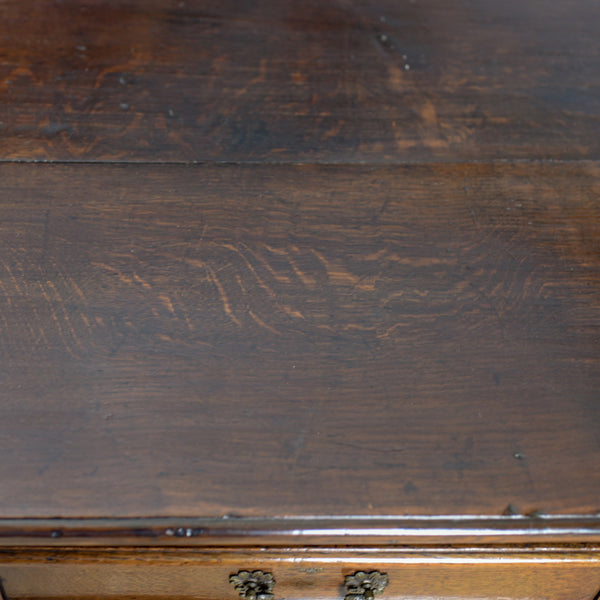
{"points": [[497, 573]]}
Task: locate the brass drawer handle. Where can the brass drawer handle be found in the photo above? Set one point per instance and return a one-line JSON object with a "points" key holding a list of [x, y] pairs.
{"points": [[364, 586], [253, 585]]}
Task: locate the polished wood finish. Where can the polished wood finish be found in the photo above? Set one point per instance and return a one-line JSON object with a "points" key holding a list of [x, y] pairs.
{"points": [[347, 532], [299, 80], [495, 573], [294, 340], [309, 287]]}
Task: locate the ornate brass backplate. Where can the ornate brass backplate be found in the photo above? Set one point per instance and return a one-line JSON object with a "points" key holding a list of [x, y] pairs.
{"points": [[364, 586], [253, 585]]}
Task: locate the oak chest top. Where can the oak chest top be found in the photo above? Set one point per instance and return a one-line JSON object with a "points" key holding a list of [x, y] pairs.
{"points": [[300, 275]]}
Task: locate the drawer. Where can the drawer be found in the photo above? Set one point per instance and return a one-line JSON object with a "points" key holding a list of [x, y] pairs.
{"points": [[508, 573]]}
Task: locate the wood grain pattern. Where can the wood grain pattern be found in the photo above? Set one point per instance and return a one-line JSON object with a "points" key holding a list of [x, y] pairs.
{"points": [[299, 80], [331, 303], [494, 573], [280, 340]]}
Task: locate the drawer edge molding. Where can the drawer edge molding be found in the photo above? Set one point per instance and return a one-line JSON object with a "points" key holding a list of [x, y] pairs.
{"points": [[299, 531]]}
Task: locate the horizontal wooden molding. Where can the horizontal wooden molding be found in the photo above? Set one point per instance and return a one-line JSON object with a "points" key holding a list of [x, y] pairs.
{"points": [[300, 531]]}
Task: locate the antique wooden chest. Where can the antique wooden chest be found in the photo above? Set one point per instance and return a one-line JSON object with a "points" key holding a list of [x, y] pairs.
{"points": [[299, 299]]}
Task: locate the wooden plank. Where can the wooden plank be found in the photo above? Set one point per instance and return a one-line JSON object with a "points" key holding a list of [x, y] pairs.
{"points": [[289, 80], [279, 340], [499, 573]]}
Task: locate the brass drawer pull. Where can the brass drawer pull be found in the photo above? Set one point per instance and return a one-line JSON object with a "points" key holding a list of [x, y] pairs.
{"points": [[364, 586], [253, 585]]}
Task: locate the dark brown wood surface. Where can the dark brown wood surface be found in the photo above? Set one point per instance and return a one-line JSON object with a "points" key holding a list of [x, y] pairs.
{"points": [[299, 340], [299, 80], [336, 286]]}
